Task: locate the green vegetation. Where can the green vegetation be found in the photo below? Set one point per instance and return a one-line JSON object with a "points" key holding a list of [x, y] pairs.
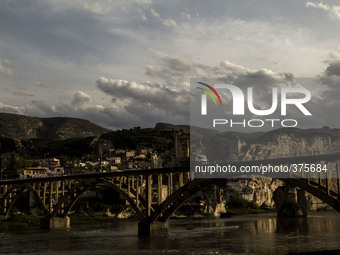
{"points": [[93, 205], [20, 221], [17, 162], [240, 211], [238, 205]]}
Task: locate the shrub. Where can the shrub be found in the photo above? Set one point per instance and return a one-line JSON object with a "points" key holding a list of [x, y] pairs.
{"points": [[239, 203]]}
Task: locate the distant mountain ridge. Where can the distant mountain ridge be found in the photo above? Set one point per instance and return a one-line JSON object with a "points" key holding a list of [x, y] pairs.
{"points": [[58, 128]]}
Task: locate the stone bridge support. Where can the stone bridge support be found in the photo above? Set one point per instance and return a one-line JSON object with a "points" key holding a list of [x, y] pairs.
{"points": [[56, 223]]}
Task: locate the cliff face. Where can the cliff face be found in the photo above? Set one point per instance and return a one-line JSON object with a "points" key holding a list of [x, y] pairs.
{"points": [[292, 143], [276, 144]]}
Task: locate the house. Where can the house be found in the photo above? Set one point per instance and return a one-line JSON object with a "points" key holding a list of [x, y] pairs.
{"points": [[141, 156], [58, 170], [34, 172], [115, 160], [113, 169], [47, 162], [119, 152], [130, 154], [143, 151]]}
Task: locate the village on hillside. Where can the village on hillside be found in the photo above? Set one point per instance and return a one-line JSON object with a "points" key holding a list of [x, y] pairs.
{"points": [[110, 160]]}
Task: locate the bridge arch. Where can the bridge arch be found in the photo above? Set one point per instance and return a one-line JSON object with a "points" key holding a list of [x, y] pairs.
{"points": [[178, 198], [164, 211], [81, 188], [17, 191], [318, 192]]}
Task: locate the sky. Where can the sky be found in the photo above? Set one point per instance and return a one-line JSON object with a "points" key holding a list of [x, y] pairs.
{"points": [[126, 63]]}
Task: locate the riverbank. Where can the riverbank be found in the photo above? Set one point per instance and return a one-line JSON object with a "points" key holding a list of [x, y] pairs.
{"points": [[244, 211], [23, 221]]}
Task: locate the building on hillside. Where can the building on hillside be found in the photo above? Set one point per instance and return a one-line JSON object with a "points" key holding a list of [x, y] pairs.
{"points": [[130, 154], [47, 162], [33, 172], [144, 151], [57, 170], [120, 152], [115, 160]]}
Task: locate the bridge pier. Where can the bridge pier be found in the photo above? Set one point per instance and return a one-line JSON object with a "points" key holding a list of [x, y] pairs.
{"points": [[290, 202], [146, 228], [55, 223]]}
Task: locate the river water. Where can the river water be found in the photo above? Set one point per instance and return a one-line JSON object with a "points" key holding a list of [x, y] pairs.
{"points": [[250, 234]]}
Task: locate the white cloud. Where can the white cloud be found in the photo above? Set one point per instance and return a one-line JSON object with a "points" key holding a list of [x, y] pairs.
{"points": [[186, 15], [80, 98], [142, 14], [6, 67], [170, 23], [173, 70], [333, 11], [96, 8], [143, 2], [154, 13], [10, 108], [136, 94]]}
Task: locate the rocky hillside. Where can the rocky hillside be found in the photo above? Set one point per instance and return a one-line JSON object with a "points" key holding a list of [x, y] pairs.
{"points": [[233, 146], [289, 142], [59, 128]]}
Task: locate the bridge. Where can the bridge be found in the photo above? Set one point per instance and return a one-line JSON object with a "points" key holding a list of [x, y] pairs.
{"points": [[155, 194]]}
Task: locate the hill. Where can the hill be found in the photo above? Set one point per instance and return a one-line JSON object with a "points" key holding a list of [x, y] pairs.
{"points": [[59, 128]]}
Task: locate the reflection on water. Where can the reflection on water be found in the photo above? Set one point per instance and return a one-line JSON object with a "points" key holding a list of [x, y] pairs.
{"points": [[254, 234]]}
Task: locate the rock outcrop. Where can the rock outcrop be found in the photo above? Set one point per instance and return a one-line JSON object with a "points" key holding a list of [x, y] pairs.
{"points": [[290, 142]]}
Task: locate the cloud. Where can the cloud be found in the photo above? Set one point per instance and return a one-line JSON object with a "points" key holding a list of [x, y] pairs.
{"points": [[96, 8], [157, 96], [333, 11], [6, 67], [169, 23], [333, 68], [43, 85], [142, 15], [154, 13], [173, 69], [22, 93], [11, 109], [186, 16], [169, 67], [80, 98], [106, 116]]}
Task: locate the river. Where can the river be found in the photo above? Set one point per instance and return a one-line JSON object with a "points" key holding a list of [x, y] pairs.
{"points": [[248, 234]]}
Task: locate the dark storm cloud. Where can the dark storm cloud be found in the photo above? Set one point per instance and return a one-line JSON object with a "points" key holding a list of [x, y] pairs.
{"points": [[333, 68]]}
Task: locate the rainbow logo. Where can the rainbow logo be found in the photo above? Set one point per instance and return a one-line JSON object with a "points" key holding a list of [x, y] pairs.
{"points": [[209, 93]]}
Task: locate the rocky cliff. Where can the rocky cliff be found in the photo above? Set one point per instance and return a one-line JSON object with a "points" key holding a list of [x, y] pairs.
{"points": [[289, 142]]}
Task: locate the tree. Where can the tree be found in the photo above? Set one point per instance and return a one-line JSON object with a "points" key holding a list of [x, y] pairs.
{"points": [[16, 162]]}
